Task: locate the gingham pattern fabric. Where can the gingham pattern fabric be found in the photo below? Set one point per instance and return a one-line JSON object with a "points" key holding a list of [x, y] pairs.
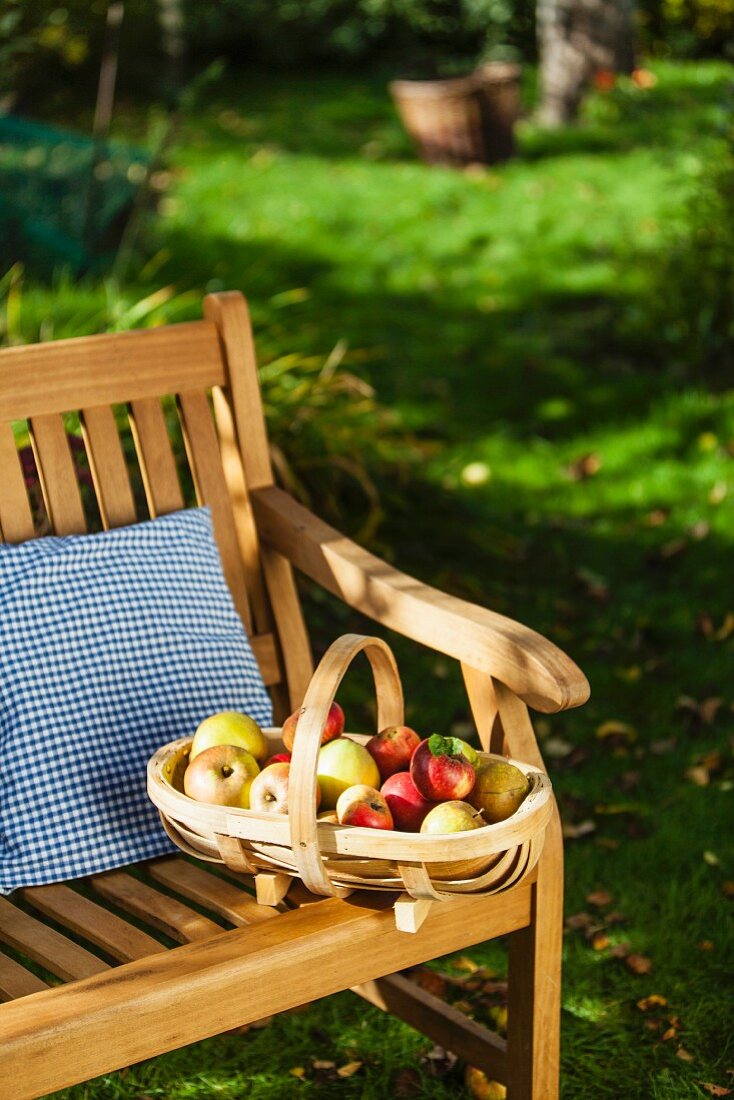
{"points": [[110, 645]]}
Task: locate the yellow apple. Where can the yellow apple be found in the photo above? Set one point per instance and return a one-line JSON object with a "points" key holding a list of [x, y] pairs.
{"points": [[341, 764], [231, 728], [221, 775]]}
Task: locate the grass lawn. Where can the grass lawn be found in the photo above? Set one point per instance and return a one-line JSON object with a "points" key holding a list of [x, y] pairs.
{"points": [[576, 473]]}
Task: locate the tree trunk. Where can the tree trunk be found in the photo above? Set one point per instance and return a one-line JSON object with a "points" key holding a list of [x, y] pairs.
{"points": [[576, 39]]}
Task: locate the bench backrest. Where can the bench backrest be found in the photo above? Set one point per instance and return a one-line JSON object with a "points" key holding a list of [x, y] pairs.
{"points": [[134, 393]]}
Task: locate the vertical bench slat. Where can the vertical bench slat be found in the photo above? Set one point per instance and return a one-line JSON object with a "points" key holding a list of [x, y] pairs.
{"points": [[107, 463], [202, 448], [16, 519], [58, 477], [155, 455]]}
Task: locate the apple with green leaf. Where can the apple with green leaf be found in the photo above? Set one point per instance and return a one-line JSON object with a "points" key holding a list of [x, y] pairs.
{"points": [[440, 770]]}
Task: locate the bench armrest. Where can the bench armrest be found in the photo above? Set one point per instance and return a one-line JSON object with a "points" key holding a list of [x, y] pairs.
{"points": [[532, 667]]}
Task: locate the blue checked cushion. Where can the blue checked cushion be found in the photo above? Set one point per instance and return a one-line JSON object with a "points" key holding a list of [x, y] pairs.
{"points": [[110, 645]]}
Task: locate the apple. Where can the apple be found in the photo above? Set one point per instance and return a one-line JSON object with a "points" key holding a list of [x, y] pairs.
{"points": [[440, 770], [221, 775], [392, 748], [364, 806], [230, 728], [469, 752], [407, 805], [342, 763], [452, 817], [279, 758], [456, 817], [334, 726], [269, 790], [499, 789]]}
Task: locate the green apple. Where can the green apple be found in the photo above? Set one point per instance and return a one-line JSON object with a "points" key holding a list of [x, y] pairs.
{"points": [[452, 817], [231, 728], [341, 764]]}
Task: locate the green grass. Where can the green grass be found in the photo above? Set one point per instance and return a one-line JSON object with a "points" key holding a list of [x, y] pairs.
{"points": [[514, 319]]}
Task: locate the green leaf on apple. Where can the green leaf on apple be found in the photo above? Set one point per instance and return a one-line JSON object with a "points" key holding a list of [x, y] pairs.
{"points": [[445, 746]]}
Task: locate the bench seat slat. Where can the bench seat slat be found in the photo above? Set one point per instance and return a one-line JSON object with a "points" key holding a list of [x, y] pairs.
{"points": [[225, 898], [46, 946], [16, 981], [114, 935], [174, 918]]}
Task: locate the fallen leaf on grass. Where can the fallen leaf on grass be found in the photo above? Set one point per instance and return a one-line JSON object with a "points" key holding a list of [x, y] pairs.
{"points": [[698, 775], [407, 1083], [684, 1055], [714, 1090], [704, 712], [439, 1062], [620, 951], [621, 731], [673, 548], [297, 1071], [480, 1087], [556, 748], [465, 963], [586, 466], [651, 1001], [578, 921], [599, 898], [349, 1069], [600, 942], [319, 1063], [711, 859], [726, 629], [576, 832], [727, 888], [669, 1034], [639, 964], [705, 945], [596, 586], [430, 981]]}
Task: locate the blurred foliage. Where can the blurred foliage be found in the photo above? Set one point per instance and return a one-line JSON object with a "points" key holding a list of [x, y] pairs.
{"points": [[691, 279], [34, 35], [331, 439], [40, 41]]}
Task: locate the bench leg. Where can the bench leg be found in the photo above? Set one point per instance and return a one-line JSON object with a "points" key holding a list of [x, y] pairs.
{"points": [[534, 1009]]}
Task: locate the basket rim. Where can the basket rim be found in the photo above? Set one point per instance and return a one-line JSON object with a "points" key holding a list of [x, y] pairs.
{"points": [[532, 815]]}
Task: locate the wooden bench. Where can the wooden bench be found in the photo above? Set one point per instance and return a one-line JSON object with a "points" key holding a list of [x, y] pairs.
{"points": [[130, 945]]}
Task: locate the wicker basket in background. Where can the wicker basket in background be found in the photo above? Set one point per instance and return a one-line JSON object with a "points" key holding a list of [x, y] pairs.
{"points": [[466, 120]]}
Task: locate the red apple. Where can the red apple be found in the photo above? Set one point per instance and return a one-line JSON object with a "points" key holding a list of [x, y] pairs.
{"points": [[364, 806], [269, 790], [392, 748], [334, 726], [279, 758], [407, 805], [440, 770], [221, 775]]}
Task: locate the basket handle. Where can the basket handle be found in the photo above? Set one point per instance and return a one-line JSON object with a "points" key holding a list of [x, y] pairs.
{"points": [[307, 742]]}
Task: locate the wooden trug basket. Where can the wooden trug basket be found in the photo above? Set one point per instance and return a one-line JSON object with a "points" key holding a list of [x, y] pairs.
{"points": [[334, 859]]}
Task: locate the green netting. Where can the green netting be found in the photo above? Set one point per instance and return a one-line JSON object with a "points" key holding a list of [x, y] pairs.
{"points": [[63, 198]]}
